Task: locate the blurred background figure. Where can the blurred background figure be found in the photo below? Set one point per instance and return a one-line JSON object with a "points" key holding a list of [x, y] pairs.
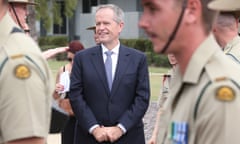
{"points": [[161, 116], [61, 93], [93, 28], [225, 30]]}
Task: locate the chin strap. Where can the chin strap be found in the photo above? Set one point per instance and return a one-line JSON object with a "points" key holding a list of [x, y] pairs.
{"points": [[173, 34], [18, 21]]}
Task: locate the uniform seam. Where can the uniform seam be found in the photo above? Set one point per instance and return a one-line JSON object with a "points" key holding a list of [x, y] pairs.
{"points": [[2, 64], [41, 72], [199, 99], [231, 55]]}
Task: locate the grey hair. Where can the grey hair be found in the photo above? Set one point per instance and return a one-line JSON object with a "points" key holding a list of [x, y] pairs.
{"points": [[118, 12]]}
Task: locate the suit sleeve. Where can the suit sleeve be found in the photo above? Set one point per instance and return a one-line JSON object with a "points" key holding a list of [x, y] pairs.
{"points": [[83, 113], [139, 106]]}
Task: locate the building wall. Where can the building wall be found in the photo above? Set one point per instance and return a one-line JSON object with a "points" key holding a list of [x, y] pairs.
{"points": [[130, 30], [82, 20], [126, 5]]}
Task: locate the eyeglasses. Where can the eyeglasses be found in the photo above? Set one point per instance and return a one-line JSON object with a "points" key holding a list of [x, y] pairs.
{"points": [[69, 59]]}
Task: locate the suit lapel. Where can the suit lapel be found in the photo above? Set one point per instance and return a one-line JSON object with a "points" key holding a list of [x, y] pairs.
{"points": [[97, 60], [122, 64]]}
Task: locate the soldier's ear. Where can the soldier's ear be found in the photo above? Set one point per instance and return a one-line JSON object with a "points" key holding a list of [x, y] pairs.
{"points": [[193, 11]]}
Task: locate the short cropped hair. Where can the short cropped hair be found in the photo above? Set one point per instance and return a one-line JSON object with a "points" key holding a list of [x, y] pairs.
{"points": [[208, 16], [118, 12], [226, 20]]}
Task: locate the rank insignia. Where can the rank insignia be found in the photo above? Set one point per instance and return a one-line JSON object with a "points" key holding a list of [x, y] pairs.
{"points": [[22, 71], [225, 93]]}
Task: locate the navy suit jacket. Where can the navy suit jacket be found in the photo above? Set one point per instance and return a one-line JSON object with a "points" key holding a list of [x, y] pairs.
{"points": [[93, 102]]}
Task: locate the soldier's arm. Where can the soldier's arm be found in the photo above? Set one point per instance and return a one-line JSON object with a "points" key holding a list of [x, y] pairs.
{"points": [[52, 52], [153, 139], [217, 114]]}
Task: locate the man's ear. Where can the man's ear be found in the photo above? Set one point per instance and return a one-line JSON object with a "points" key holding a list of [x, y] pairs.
{"points": [[193, 11]]}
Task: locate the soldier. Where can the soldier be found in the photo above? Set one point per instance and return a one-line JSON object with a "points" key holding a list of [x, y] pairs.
{"points": [[159, 128], [95, 34], [226, 6], [19, 12], [205, 95], [26, 86], [225, 28]]}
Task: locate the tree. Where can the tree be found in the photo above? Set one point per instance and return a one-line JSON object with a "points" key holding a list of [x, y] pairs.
{"points": [[31, 21], [48, 11]]}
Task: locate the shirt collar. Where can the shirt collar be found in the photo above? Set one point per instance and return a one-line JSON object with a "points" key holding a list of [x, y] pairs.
{"points": [[115, 50], [232, 43], [199, 59], [6, 24]]}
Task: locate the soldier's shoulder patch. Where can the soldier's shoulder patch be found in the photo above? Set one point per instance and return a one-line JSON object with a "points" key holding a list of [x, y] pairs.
{"points": [[22, 71], [225, 93]]}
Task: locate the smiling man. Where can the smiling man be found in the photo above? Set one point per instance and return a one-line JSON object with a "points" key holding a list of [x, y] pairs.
{"points": [[109, 90]]}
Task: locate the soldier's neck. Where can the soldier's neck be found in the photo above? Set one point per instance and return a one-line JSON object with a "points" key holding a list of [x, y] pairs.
{"points": [[3, 10]]}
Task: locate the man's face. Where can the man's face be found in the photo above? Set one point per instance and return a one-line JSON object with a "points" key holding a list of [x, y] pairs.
{"points": [[218, 35], [107, 28], [172, 59], [158, 20], [97, 41], [21, 11]]}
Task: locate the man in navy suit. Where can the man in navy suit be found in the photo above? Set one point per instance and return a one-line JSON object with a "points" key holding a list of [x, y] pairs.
{"points": [[110, 113]]}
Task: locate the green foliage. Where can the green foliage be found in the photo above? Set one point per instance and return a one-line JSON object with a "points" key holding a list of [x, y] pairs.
{"points": [[69, 8], [43, 13], [146, 46], [49, 11], [56, 14], [160, 60], [49, 42], [53, 40]]}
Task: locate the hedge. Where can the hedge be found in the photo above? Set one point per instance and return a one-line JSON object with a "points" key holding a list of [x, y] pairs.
{"points": [[146, 46], [143, 45], [49, 42]]}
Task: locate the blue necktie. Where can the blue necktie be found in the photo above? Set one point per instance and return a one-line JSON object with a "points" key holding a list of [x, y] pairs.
{"points": [[108, 68]]}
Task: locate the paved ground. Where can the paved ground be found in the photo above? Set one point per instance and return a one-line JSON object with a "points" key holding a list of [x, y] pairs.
{"points": [[149, 121]]}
